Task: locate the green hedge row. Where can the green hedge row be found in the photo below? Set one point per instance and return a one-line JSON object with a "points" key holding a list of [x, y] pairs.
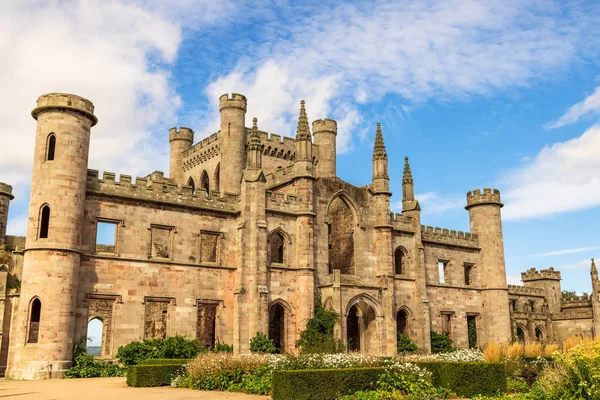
{"points": [[464, 379], [165, 361], [151, 375]]}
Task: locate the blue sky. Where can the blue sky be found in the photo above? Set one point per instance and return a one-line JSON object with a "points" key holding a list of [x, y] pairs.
{"points": [[478, 94]]}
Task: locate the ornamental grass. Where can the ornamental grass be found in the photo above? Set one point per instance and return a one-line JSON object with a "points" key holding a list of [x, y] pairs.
{"points": [[492, 352], [533, 349], [514, 350]]}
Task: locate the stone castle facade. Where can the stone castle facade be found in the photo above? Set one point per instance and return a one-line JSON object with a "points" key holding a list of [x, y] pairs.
{"points": [[238, 239]]}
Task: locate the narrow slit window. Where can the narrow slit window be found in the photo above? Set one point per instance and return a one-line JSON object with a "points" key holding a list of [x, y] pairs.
{"points": [[44, 222], [50, 147], [468, 274], [106, 237], [442, 270], [34, 321]]}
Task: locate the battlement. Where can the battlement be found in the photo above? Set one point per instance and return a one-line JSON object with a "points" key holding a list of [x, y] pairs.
{"points": [[236, 100], [402, 222], [534, 275], [64, 101], [489, 196], [448, 236], [182, 133], [6, 190], [155, 187], [324, 125], [206, 149], [281, 202], [523, 290], [280, 175]]}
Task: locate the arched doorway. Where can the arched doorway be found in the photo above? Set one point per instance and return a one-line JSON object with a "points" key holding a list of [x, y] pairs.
{"points": [[521, 334], [277, 326], [94, 337], [361, 329], [539, 334], [402, 322]]}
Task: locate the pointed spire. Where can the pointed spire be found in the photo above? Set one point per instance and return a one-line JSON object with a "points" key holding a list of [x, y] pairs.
{"points": [[303, 132], [407, 175], [594, 270], [254, 136], [379, 152], [254, 124], [255, 147]]}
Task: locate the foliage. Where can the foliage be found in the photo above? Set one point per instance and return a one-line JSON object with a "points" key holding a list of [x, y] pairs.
{"points": [[151, 375], [318, 335], [472, 332], [165, 361], [223, 348], [409, 380], [86, 367], [373, 395], [458, 355], [468, 378], [582, 367], [516, 385], [440, 342], [4, 256], [171, 347], [405, 344], [262, 344]]}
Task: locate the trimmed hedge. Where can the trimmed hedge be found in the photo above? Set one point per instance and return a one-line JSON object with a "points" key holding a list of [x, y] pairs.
{"points": [[463, 378], [165, 361], [151, 375], [323, 384]]}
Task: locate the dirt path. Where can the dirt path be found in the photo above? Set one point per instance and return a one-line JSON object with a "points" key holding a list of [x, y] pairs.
{"points": [[104, 389]]}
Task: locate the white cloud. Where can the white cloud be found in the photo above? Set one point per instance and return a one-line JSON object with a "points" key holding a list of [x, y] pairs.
{"points": [[432, 203], [513, 279], [591, 105], [564, 251], [564, 176], [420, 50], [583, 264]]}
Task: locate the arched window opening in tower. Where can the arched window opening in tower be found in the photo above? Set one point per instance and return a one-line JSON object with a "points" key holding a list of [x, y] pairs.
{"points": [[277, 248], [217, 177], [520, 334], [95, 331], [50, 147], [402, 323], [539, 334], [192, 184], [341, 253], [277, 326], [205, 182], [44, 222], [399, 260], [34, 321]]}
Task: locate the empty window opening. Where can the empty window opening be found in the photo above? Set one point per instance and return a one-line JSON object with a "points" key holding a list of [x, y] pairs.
{"points": [[468, 274], [106, 237], [442, 266], [156, 320], [34, 321], [94, 337], [513, 304], [402, 322], [44, 222], [204, 182], [399, 260], [532, 306], [217, 177], [192, 184], [277, 247], [447, 325], [277, 326], [207, 320], [341, 253], [50, 147], [472, 330], [539, 334], [520, 334], [161, 242], [209, 247]]}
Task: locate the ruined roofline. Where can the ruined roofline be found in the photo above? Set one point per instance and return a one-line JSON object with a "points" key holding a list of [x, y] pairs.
{"points": [[161, 191], [525, 290], [449, 236]]}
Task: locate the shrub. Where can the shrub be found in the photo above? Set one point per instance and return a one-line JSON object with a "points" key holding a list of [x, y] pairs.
{"points": [[262, 344], [374, 395], [223, 348], [405, 344], [85, 366], [516, 385], [409, 380], [151, 375], [318, 335], [164, 361], [171, 347], [468, 378], [582, 367], [440, 343]]}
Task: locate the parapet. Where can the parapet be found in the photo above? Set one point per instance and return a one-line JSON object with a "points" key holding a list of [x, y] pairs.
{"points": [[6, 190], [534, 275], [402, 222], [155, 188], [525, 290], [449, 237], [236, 100], [182, 133], [65, 101], [489, 196], [277, 201], [324, 125], [280, 176]]}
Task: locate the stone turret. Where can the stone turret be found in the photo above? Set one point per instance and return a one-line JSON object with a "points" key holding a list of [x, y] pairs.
{"points": [[42, 346], [325, 132], [381, 179], [408, 190], [233, 141], [180, 140], [5, 197], [486, 222], [547, 279]]}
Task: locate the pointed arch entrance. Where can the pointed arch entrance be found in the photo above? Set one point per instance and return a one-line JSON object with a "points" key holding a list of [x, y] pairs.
{"points": [[361, 326]]}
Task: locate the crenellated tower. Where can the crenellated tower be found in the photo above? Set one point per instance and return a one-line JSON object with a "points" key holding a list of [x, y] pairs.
{"points": [[486, 221], [5, 197], [179, 140], [325, 133], [233, 141], [547, 279], [42, 346], [381, 179]]}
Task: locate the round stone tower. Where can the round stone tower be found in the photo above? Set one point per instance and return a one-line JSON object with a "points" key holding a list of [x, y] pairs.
{"points": [[43, 339], [180, 140], [5, 198], [233, 140], [486, 222], [324, 133]]}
